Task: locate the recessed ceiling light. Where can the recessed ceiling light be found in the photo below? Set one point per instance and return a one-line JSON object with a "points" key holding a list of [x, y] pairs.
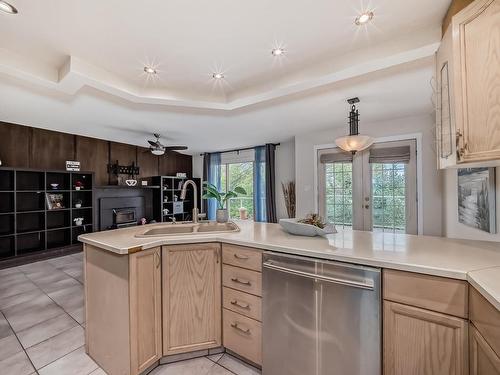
{"points": [[218, 75], [7, 8], [363, 18], [150, 70], [277, 51]]}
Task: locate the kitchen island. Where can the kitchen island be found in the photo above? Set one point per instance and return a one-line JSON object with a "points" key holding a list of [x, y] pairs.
{"points": [[152, 298]]}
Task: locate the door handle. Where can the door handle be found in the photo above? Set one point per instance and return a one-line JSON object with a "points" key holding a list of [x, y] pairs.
{"points": [[242, 257], [237, 327], [240, 304], [244, 282], [328, 279]]}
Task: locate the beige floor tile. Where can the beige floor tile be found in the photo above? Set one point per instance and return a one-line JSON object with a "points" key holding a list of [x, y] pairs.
{"points": [[237, 366], [33, 268], [219, 370], [56, 286], [9, 346], [10, 278], [43, 276], [17, 364], [215, 357], [78, 315], [64, 261], [75, 363], [29, 313], [56, 347], [16, 287], [78, 256], [45, 330], [10, 301], [198, 366], [99, 371], [8, 271], [70, 298], [5, 329], [73, 270]]}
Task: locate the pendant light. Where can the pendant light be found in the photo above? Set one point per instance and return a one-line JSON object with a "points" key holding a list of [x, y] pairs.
{"points": [[354, 142]]}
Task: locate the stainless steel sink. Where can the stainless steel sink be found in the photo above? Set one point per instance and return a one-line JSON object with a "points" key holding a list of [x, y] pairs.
{"points": [[189, 228]]}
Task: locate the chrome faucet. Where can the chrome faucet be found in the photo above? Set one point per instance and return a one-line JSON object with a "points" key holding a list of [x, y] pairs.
{"points": [[196, 212]]}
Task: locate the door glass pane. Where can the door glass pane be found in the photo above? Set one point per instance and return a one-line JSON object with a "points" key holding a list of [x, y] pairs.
{"points": [[389, 197], [338, 194], [240, 174]]}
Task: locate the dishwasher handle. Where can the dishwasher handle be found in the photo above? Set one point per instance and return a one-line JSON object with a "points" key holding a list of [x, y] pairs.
{"points": [[328, 279]]}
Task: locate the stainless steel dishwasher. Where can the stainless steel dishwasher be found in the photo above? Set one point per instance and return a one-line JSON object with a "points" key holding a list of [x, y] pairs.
{"points": [[320, 317]]}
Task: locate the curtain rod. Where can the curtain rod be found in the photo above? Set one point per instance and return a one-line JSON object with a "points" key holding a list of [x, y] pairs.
{"points": [[238, 149]]}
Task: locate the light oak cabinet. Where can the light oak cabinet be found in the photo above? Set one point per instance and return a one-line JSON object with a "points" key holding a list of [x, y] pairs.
{"points": [[419, 341], [123, 309], [145, 309], [425, 325], [242, 301], [191, 297], [483, 359], [468, 82]]}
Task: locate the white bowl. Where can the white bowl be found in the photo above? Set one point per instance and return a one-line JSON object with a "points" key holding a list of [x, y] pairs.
{"points": [[292, 226]]}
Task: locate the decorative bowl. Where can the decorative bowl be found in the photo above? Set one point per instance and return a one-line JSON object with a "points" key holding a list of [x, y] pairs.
{"points": [[293, 226], [54, 186], [131, 182]]}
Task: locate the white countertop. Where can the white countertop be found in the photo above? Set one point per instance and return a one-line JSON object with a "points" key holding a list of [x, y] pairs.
{"points": [[438, 256]]}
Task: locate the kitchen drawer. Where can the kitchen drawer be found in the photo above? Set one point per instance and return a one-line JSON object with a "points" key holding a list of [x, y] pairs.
{"points": [[243, 303], [486, 318], [244, 257], [447, 296], [241, 279], [243, 336]]}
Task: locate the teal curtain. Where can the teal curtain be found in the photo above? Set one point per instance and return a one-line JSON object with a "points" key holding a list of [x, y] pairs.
{"points": [[211, 173], [259, 185]]}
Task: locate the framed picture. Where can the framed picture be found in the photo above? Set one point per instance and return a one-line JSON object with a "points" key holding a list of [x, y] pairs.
{"points": [[476, 198], [54, 201]]}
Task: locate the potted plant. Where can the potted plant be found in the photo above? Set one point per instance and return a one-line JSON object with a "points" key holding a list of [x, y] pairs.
{"points": [[210, 192]]}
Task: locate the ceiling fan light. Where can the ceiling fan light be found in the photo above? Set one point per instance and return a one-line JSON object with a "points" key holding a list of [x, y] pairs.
{"points": [[354, 143], [157, 151]]}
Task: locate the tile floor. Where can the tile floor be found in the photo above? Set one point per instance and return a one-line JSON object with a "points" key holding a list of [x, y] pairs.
{"points": [[42, 325]]}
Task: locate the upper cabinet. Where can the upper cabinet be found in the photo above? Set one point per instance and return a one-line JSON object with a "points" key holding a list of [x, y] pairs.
{"points": [[468, 86]]}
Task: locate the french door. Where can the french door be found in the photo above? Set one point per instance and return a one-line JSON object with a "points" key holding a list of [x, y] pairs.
{"points": [[373, 190]]}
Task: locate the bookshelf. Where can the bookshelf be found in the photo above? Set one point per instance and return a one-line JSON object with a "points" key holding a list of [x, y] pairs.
{"points": [[164, 198]]}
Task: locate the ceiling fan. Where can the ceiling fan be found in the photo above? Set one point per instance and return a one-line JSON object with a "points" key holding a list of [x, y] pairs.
{"points": [[158, 149]]}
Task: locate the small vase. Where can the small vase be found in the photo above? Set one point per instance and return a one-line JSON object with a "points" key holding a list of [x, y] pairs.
{"points": [[222, 216]]}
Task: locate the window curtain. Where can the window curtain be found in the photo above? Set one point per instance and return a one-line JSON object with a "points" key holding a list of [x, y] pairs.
{"points": [[212, 174], [264, 184], [270, 184], [259, 185]]}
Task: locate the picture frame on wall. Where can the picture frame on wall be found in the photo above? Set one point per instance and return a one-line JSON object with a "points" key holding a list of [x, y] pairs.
{"points": [[54, 201], [477, 198]]}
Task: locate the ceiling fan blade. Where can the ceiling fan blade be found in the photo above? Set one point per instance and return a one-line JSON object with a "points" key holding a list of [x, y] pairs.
{"points": [[154, 143], [175, 148]]}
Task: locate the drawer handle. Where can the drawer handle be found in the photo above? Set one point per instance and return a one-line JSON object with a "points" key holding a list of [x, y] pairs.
{"points": [[244, 282], [242, 257], [240, 304], [243, 330]]}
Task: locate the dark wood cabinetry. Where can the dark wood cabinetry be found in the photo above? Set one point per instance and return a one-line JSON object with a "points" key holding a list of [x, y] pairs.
{"points": [[93, 155]]}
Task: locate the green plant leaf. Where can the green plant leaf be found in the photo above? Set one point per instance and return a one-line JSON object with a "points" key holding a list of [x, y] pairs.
{"points": [[240, 190]]}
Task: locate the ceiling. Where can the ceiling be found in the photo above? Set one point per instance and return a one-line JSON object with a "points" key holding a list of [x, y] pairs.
{"points": [[77, 66]]}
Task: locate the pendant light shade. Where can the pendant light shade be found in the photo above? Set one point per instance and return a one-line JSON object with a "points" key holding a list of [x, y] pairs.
{"points": [[354, 142]]}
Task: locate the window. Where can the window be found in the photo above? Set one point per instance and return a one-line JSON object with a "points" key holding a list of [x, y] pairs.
{"points": [[238, 174], [372, 190], [338, 192]]}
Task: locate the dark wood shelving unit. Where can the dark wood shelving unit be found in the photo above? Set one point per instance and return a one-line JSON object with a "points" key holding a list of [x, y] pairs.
{"points": [[163, 198], [27, 225]]}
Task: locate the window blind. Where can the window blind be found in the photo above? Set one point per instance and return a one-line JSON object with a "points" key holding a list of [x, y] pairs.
{"points": [[399, 154], [336, 157]]}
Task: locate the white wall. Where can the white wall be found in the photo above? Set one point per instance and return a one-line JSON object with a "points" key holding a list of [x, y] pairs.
{"points": [[454, 229], [431, 181], [285, 171]]}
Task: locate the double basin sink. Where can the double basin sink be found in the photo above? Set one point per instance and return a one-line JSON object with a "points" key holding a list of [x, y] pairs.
{"points": [[189, 229]]}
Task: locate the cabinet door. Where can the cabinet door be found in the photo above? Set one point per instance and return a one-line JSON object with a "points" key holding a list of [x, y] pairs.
{"points": [[191, 297], [483, 360], [476, 42], [418, 341], [445, 115], [145, 309]]}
